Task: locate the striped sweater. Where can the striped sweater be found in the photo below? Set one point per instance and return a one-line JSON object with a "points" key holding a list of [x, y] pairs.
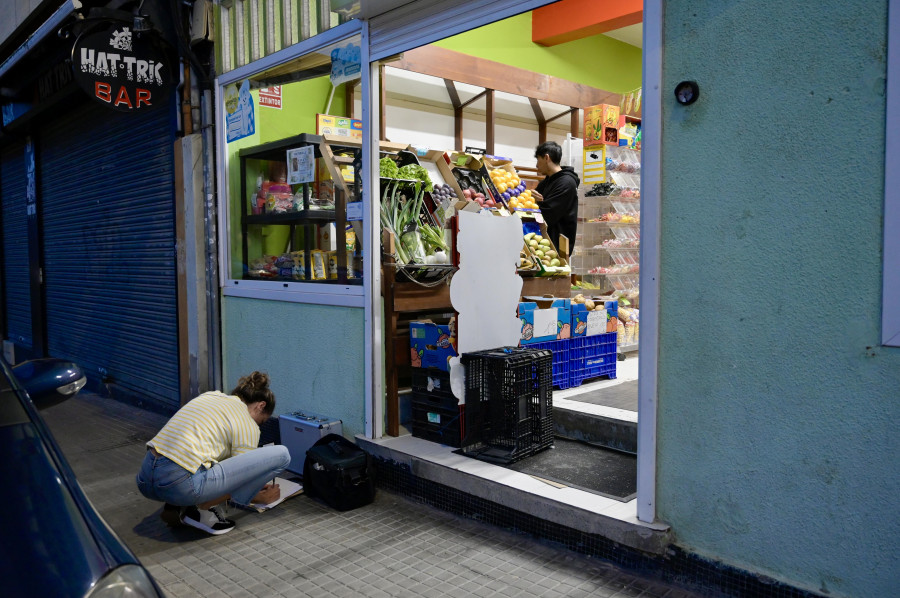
{"points": [[208, 429]]}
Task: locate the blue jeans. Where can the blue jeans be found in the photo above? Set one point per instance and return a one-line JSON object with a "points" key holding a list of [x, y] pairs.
{"points": [[241, 476]]}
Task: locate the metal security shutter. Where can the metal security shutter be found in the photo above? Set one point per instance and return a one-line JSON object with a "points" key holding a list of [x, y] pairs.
{"points": [[16, 283], [106, 182], [419, 23]]}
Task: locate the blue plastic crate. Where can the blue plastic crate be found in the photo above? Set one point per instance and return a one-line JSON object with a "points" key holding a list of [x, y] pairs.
{"points": [[562, 356], [592, 357]]}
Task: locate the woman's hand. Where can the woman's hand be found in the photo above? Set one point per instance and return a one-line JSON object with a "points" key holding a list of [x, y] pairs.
{"points": [[269, 493]]}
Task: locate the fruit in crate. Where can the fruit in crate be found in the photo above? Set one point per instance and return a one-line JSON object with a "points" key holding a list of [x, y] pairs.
{"points": [[512, 189], [442, 192]]}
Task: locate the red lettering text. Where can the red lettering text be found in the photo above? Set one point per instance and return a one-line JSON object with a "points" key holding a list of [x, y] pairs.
{"points": [[143, 97], [122, 98], [101, 90]]}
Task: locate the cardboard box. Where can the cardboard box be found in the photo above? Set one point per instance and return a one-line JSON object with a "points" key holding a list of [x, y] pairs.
{"points": [[478, 166], [432, 345], [600, 320], [579, 319], [601, 125], [541, 325], [437, 161]]}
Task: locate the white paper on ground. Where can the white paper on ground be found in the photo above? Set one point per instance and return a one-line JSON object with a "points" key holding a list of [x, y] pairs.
{"points": [[288, 489], [485, 290]]}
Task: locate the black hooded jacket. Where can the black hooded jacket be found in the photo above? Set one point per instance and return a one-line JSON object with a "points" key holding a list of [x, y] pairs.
{"points": [[560, 205]]}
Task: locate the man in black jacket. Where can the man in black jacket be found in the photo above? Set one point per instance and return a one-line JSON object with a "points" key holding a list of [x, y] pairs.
{"points": [[557, 194]]}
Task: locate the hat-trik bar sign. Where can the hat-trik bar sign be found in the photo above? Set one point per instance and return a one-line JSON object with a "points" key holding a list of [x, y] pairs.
{"points": [[120, 70]]}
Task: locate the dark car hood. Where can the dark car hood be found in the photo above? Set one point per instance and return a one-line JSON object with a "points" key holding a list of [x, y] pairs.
{"points": [[49, 549]]}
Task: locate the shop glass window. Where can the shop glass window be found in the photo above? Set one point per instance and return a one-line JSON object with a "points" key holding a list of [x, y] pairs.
{"points": [[293, 166]]}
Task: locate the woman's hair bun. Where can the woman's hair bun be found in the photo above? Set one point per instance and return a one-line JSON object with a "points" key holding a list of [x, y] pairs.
{"points": [[254, 388]]}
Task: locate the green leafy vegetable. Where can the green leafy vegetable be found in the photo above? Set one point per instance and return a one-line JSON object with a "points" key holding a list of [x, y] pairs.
{"points": [[387, 168], [415, 172]]}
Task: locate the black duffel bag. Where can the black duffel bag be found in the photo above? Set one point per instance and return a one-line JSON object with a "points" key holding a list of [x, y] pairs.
{"points": [[339, 472]]}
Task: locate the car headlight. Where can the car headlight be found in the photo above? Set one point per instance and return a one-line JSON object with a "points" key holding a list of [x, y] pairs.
{"points": [[72, 388], [125, 582]]}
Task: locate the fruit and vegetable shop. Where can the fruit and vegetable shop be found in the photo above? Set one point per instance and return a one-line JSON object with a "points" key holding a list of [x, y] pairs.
{"points": [[349, 171]]}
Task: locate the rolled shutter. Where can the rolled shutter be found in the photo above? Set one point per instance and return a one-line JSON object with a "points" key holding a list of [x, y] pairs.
{"points": [[16, 282], [106, 183]]}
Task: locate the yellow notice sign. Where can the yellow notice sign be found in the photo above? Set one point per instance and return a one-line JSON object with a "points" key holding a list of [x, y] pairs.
{"points": [[594, 165]]}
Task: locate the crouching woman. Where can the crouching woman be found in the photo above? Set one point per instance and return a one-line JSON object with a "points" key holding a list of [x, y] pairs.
{"points": [[208, 454]]}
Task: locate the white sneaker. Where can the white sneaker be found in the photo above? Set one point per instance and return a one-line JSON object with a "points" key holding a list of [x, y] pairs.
{"points": [[210, 521]]}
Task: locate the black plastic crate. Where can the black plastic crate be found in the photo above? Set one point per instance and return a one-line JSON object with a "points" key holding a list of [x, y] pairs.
{"points": [[437, 418], [431, 381], [509, 402]]}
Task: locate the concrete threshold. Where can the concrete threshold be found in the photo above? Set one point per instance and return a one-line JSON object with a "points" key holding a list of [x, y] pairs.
{"points": [[570, 507], [596, 424]]}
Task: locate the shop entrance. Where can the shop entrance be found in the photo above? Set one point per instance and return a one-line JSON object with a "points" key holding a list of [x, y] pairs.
{"points": [[455, 111]]}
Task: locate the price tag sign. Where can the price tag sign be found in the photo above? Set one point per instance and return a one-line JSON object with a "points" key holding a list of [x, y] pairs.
{"points": [[355, 210], [596, 322], [545, 322]]}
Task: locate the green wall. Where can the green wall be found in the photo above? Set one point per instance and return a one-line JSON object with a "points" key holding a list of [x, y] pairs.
{"points": [[778, 409], [597, 61], [314, 354]]}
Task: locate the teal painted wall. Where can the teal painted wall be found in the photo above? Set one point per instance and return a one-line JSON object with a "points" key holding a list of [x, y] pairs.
{"points": [[778, 409], [314, 354], [597, 61]]}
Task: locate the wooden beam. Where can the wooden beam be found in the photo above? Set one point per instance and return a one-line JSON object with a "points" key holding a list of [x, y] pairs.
{"points": [[349, 97], [553, 24], [538, 113], [575, 123], [447, 64], [541, 121], [561, 114], [474, 99], [457, 110], [451, 91]]}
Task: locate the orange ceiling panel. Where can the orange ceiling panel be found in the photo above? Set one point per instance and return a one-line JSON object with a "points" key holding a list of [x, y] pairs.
{"points": [[568, 20]]}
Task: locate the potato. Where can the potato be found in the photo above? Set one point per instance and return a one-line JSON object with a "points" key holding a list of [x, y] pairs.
{"points": [[579, 298]]}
